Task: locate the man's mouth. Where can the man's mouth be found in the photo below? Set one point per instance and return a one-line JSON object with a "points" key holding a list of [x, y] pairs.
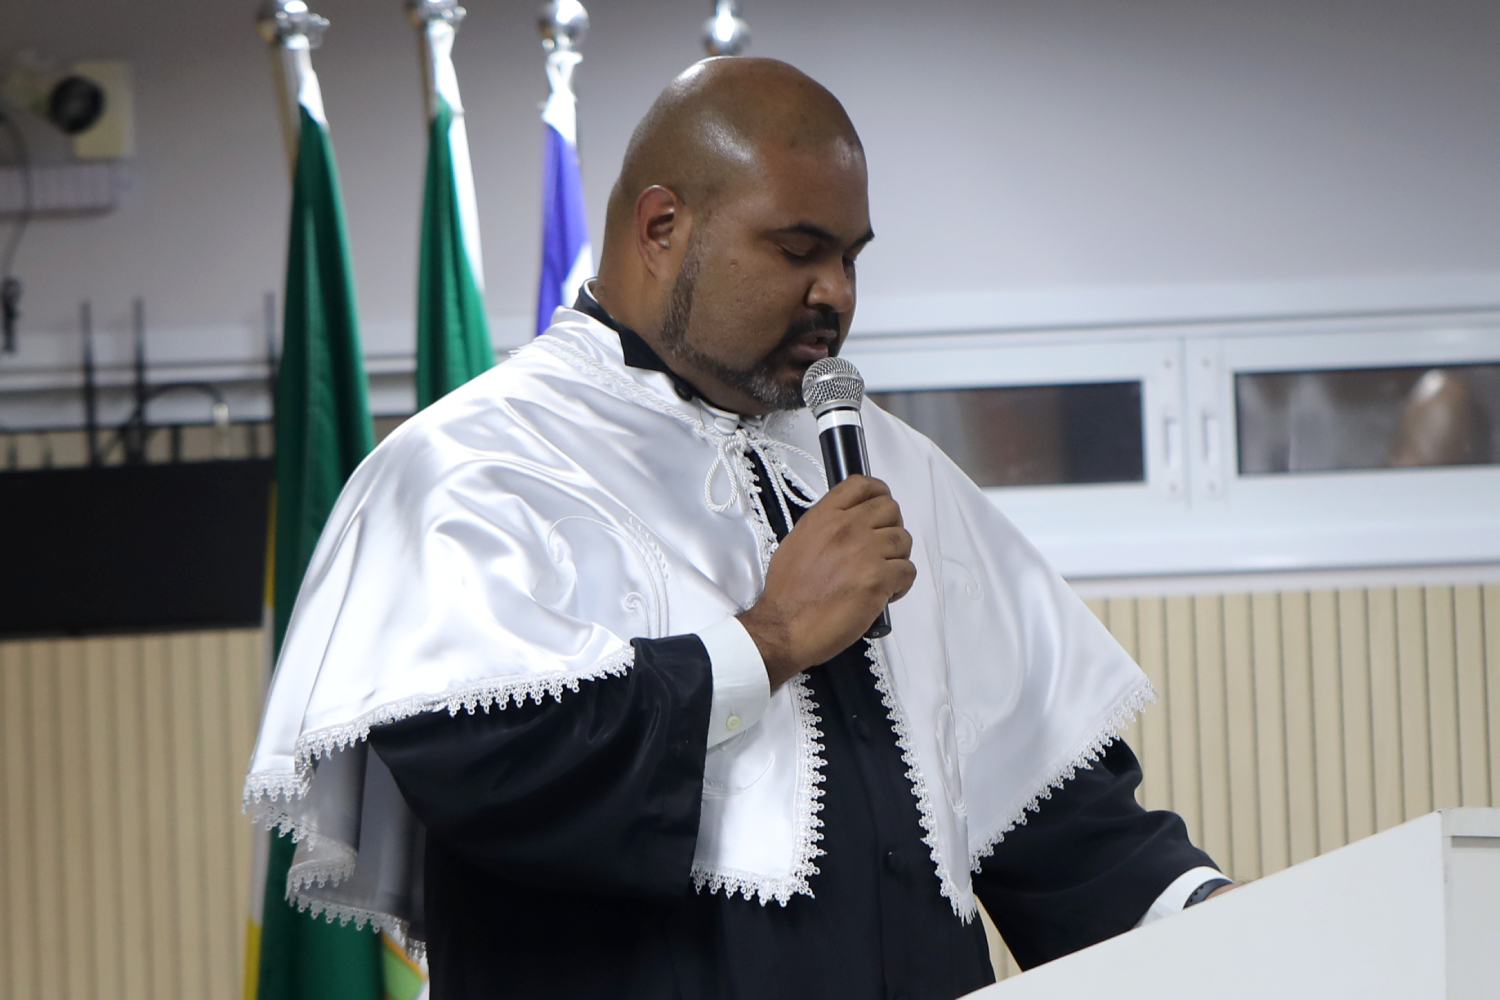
{"points": [[812, 347], [812, 339]]}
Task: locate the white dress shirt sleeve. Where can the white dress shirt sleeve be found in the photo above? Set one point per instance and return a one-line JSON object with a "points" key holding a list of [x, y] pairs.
{"points": [[741, 686], [1175, 896]]}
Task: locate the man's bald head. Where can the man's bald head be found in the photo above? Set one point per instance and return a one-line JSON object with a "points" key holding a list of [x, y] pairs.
{"points": [[733, 230], [713, 127]]}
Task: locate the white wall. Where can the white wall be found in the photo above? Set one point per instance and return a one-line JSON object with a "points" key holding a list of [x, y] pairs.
{"points": [[1033, 162]]}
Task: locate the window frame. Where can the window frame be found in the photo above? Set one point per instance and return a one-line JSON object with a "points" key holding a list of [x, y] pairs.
{"points": [[1195, 513]]}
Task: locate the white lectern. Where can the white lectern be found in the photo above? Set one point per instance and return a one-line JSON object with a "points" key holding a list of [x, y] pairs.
{"points": [[1412, 913]]}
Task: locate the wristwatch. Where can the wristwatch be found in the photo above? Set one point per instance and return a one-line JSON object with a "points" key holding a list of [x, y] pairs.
{"points": [[1201, 893]]}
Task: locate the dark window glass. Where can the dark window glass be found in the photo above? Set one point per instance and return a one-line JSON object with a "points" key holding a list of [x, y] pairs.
{"points": [[1367, 418], [1032, 435]]}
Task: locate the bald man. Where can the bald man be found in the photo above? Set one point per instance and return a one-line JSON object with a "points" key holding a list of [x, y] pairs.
{"points": [[603, 628]]}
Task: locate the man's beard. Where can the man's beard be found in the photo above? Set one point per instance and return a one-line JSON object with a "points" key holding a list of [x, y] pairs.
{"points": [[758, 381]]}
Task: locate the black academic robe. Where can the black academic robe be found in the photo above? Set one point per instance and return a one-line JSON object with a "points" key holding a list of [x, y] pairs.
{"points": [[560, 836]]}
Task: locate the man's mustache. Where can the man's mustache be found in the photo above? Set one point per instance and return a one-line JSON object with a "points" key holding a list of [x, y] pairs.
{"points": [[819, 322]]}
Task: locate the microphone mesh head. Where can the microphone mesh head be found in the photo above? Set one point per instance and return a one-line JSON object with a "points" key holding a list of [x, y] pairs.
{"points": [[832, 382]]}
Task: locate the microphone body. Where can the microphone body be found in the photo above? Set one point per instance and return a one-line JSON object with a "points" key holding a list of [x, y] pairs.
{"points": [[841, 435], [834, 391]]}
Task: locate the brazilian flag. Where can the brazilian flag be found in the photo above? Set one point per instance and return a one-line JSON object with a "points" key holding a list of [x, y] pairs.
{"points": [[323, 430], [453, 338]]}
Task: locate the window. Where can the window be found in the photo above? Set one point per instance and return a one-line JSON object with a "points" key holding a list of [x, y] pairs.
{"points": [[1367, 418], [1277, 445], [1032, 435]]}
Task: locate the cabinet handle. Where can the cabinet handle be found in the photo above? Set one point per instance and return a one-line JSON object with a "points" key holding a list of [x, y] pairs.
{"points": [[1172, 441]]}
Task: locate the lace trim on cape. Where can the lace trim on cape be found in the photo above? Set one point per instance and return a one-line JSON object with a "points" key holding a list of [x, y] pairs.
{"points": [[268, 794], [397, 928], [897, 716], [734, 457], [304, 876], [415, 948], [807, 823], [1113, 728]]}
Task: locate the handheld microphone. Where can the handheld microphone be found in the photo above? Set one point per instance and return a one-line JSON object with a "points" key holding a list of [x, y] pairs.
{"points": [[834, 390]]}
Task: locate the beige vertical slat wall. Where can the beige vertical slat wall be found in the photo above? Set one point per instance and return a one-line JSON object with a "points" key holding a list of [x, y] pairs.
{"points": [[1315, 718], [124, 860], [1288, 724]]}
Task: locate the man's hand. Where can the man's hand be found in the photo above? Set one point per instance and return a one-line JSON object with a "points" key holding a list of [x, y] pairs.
{"points": [[846, 559]]}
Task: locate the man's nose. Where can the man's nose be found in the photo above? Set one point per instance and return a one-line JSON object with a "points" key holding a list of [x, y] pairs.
{"points": [[833, 289]]}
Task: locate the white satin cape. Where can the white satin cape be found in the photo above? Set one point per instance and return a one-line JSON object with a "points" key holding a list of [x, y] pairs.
{"points": [[508, 542]]}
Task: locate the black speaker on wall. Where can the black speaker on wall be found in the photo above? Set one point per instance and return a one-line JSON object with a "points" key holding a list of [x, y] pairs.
{"points": [[133, 548]]}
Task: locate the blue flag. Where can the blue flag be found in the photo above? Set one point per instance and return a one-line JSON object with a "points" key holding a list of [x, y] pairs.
{"points": [[567, 259]]}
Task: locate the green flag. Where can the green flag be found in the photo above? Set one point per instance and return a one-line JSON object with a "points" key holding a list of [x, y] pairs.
{"points": [[323, 430], [453, 339]]}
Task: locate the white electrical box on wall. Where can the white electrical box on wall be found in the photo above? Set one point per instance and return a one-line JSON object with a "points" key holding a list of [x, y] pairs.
{"points": [[112, 137]]}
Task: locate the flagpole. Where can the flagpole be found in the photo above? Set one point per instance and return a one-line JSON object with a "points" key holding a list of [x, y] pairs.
{"points": [[453, 336], [563, 24], [323, 430], [437, 24], [292, 32], [423, 14], [567, 258], [726, 33]]}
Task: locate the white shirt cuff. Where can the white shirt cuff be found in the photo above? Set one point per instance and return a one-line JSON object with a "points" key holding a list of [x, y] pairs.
{"points": [[741, 687], [1175, 896]]}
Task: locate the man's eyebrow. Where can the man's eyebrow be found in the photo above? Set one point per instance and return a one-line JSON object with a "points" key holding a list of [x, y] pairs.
{"points": [[822, 235]]}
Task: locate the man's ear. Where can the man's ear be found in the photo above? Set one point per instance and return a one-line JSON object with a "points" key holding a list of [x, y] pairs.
{"points": [[661, 230]]}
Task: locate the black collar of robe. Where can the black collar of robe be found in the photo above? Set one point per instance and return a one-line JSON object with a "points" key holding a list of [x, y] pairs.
{"points": [[638, 353]]}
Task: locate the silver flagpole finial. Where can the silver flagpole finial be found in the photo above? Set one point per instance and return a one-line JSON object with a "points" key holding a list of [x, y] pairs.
{"points": [[563, 23], [293, 31], [280, 21], [424, 12], [726, 33]]}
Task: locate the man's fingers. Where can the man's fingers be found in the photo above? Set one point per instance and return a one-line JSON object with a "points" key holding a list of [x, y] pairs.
{"points": [[856, 490], [895, 542], [878, 512], [903, 573]]}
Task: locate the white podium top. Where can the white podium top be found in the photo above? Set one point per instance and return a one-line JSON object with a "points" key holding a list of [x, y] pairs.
{"points": [[1412, 913]]}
